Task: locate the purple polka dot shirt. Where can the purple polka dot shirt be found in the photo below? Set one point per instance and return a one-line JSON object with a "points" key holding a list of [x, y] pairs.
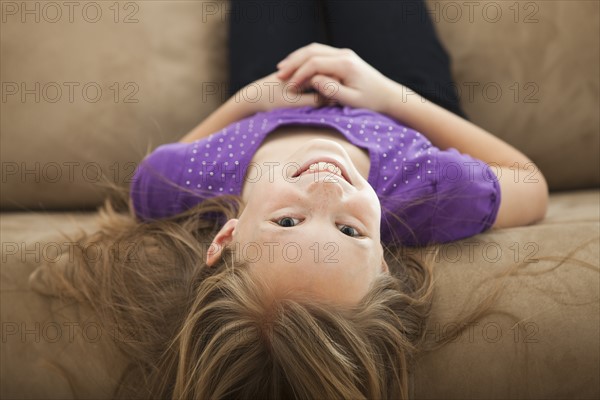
{"points": [[427, 195]]}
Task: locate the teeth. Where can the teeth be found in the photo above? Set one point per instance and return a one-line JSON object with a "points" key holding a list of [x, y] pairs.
{"points": [[325, 166]]}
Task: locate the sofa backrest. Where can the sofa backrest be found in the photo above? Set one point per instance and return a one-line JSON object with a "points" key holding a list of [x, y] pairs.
{"points": [[88, 88]]}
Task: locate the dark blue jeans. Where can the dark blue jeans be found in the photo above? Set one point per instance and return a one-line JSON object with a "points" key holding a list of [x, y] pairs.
{"points": [[397, 38]]}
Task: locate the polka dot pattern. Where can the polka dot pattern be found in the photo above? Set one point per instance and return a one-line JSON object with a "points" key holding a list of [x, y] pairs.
{"points": [[405, 167], [380, 135]]}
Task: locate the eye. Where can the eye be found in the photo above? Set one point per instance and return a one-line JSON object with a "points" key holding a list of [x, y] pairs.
{"points": [[287, 222], [350, 231]]}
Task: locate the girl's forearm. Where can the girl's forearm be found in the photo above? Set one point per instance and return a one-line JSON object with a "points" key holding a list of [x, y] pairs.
{"points": [[445, 129], [232, 110], [523, 201]]}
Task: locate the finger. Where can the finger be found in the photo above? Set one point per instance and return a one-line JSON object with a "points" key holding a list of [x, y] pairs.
{"points": [[331, 66], [304, 99], [287, 69], [333, 90], [309, 50], [288, 65]]}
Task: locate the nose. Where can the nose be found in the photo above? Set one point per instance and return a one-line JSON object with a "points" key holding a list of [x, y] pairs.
{"points": [[325, 186]]}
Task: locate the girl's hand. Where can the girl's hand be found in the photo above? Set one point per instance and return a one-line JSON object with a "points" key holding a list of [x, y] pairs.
{"points": [[272, 92], [338, 74]]}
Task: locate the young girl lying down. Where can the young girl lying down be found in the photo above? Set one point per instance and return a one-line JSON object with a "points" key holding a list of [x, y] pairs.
{"points": [[294, 291], [270, 257], [323, 187]]}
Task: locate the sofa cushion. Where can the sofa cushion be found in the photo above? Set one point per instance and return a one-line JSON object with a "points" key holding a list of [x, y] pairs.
{"points": [[50, 349], [542, 340], [85, 97]]}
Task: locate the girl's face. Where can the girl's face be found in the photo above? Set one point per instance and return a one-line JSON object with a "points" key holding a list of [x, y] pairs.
{"points": [[318, 232]]}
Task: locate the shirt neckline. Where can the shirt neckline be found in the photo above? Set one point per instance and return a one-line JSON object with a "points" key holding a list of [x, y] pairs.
{"points": [[373, 176]]}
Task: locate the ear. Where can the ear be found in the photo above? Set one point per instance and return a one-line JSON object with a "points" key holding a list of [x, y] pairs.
{"points": [[384, 267], [222, 238]]}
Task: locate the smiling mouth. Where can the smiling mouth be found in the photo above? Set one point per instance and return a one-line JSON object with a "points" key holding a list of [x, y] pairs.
{"points": [[323, 166]]}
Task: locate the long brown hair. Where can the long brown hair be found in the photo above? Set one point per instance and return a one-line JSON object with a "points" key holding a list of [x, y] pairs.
{"points": [[198, 332]]}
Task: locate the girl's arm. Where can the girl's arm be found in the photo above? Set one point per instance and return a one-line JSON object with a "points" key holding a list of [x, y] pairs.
{"points": [[523, 187], [524, 191], [262, 95], [230, 111]]}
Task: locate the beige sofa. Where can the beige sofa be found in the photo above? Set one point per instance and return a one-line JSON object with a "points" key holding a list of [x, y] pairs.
{"points": [[87, 89]]}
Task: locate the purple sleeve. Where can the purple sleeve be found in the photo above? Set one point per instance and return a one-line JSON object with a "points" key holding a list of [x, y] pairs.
{"points": [[467, 197], [439, 196], [156, 186]]}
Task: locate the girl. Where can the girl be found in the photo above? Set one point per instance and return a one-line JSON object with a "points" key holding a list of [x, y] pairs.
{"points": [[313, 193], [272, 257]]}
